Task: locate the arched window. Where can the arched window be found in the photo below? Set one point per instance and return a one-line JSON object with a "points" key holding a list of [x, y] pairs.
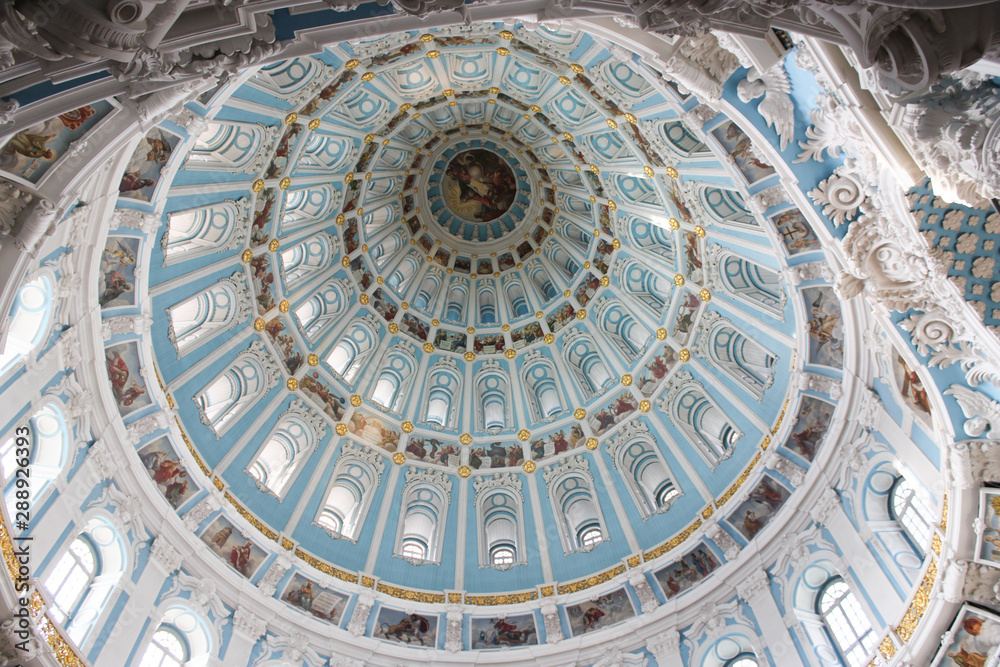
{"points": [[846, 622], [48, 445], [355, 479], [589, 370], [286, 449], [743, 660], [325, 153], [727, 206], [228, 146], [404, 272], [395, 377], [542, 281], [458, 295], [739, 356], [912, 512], [308, 205], [165, 649], [701, 419], [646, 475], [561, 260], [649, 289], [181, 638], [517, 298], [499, 507], [384, 251], [487, 303], [622, 330], [70, 578], [540, 379], [307, 259], [382, 215], [656, 238], [202, 231], [237, 389], [29, 320], [356, 345], [575, 504], [682, 139], [425, 507], [199, 318], [444, 385], [428, 291], [492, 391], [323, 308], [745, 281], [82, 580]]}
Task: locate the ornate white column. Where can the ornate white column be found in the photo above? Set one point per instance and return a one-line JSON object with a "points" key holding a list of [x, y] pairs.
{"points": [[866, 571], [755, 590], [163, 561], [247, 629], [666, 649]]}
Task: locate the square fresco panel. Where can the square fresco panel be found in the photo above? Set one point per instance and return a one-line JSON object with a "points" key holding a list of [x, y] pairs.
{"points": [[795, 232], [143, 170], [810, 427], [232, 546], [117, 273], [911, 388], [988, 538], [331, 403], [656, 371], [125, 374], [757, 511], [494, 632], [288, 350], [687, 571], [528, 334], [373, 430], [739, 147], [975, 640], [600, 612], [826, 326], [32, 151], [313, 599], [452, 341], [432, 450], [557, 442], [495, 455], [411, 629], [616, 411], [165, 469]]}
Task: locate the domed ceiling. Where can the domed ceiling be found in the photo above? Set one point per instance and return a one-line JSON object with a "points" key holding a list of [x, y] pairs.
{"points": [[474, 315]]}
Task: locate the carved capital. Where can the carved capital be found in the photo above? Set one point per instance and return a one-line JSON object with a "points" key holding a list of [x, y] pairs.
{"points": [[248, 624], [164, 553], [754, 584], [825, 507]]}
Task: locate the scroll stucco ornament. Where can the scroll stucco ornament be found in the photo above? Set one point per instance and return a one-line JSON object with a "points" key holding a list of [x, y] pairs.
{"points": [[553, 627]]}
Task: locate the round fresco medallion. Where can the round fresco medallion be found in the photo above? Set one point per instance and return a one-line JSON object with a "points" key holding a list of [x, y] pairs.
{"points": [[478, 185]]}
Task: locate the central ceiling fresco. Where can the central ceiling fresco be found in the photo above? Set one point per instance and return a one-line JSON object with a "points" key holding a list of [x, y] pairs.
{"points": [[490, 322]]}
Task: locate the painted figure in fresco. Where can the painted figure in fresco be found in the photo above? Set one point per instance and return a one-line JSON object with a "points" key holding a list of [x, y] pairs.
{"points": [[29, 145], [497, 455], [175, 493], [239, 557], [133, 180], [751, 524], [822, 326], [118, 372], [301, 597], [767, 495], [507, 634], [913, 389], [591, 617], [480, 177]]}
